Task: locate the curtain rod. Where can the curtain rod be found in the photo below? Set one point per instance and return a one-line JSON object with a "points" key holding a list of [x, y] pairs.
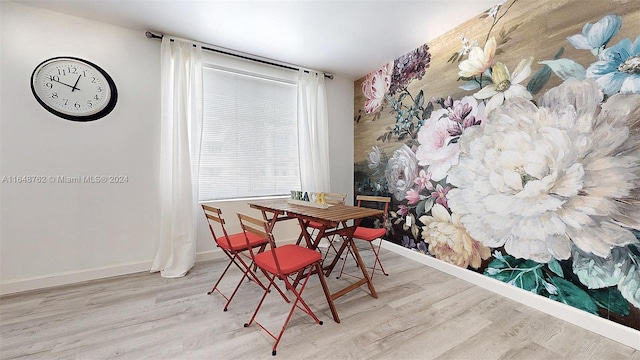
{"points": [[151, 35]]}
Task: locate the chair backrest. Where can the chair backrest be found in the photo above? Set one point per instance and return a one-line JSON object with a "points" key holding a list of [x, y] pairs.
{"points": [[216, 222], [258, 227], [380, 202], [335, 198]]}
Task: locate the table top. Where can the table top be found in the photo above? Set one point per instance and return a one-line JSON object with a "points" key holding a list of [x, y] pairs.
{"points": [[333, 214]]}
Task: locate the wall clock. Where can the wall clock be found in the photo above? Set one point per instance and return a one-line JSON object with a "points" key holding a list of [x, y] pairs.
{"points": [[73, 88]]}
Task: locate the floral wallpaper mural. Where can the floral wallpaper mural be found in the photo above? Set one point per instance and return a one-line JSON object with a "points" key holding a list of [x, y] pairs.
{"points": [[511, 147]]}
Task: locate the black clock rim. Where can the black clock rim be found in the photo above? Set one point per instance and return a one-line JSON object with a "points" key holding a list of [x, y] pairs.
{"points": [[100, 114]]}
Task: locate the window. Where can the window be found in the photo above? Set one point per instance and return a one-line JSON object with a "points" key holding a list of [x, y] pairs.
{"points": [[249, 139]]}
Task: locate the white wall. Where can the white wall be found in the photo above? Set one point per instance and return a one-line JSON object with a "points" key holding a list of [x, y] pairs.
{"points": [[52, 234], [52, 229]]}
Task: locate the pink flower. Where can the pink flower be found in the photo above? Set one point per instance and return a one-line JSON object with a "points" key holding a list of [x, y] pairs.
{"points": [[435, 149], [440, 195], [465, 112], [375, 85], [412, 196], [424, 181], [403, 210]]}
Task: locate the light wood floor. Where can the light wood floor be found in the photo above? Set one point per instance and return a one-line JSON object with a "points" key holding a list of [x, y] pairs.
{"points": [[421, 313]]}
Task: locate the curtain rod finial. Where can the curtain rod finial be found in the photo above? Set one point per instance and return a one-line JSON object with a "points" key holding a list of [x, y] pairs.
{"points": [[151, 35]]}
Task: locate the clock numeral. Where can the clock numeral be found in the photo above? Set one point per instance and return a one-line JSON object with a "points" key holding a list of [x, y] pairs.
{"points": [[54, 95], [54, 78], [62, 72], [49, 85], [65, 101], [93, 80], [96, 98], [77, 106], [72, 70], [99, 89], [89, 103]]}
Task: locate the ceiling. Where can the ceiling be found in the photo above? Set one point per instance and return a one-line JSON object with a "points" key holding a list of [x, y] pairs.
{"points": [[348, 38]]}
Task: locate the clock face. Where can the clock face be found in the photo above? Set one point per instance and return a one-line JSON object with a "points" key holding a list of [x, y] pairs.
{"points": [[73, 89]]}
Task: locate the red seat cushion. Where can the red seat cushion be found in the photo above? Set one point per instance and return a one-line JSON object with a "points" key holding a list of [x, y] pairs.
{"points": [[291, 258], [369, 234], [238, 242], [314, 225]]}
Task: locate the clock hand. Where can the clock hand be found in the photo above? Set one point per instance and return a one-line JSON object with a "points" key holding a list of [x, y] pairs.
{"points": [[74, 85], [60, 82]]}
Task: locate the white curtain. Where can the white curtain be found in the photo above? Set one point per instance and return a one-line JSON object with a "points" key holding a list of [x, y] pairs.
{"points": [[181, 136], [313, 132]]}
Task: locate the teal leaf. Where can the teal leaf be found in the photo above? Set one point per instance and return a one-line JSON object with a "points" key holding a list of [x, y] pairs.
{"points": [[551, 289], [539, 80], [426, 113], [428, 205], [470, 86], [525, 274], [566, 68], [555, 266], [570, 294], [610, 299], [629, 284], [419, 101], [559, 53], [541, 77], [424, 206], [596, 272]]}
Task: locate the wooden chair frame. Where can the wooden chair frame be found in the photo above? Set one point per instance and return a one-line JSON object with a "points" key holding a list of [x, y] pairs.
{"points": [[370, 239], [270, 263], [237, 253]]}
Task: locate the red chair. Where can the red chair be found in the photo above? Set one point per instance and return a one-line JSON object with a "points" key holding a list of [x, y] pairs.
{"points": [[281, 263], [235, 247], [371, 234]]}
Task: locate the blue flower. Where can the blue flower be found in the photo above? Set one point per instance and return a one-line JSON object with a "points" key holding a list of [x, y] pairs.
{"points": [[618, 68], [595, 37]]}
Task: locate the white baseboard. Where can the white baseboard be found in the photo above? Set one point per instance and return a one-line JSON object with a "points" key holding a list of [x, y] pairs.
{"points": [[612, 330], [73, 277]]}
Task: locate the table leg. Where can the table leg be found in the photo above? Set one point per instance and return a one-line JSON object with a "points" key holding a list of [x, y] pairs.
{"points": [[327, 294], [363, 267], [274, 218], [304, 233]]}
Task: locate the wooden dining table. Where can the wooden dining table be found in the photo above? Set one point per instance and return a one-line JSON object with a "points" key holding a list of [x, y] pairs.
{"points": [[339, 220]]}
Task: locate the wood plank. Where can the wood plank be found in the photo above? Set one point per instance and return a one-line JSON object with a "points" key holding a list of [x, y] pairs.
{"points": [[421, 313]]}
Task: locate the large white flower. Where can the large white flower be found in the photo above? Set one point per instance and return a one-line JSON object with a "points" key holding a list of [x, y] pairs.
{"points": [[506, 85], [537, 179], [449, 241], [401, 172]]}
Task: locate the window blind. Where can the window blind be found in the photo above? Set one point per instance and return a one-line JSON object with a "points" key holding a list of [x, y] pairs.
{"points": [[249, 140]]}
